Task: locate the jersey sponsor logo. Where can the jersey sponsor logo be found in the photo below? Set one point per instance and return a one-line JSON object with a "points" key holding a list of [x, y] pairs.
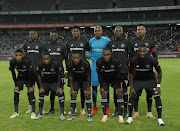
{"points": [[103, 67], [55, 53], [136, 45], [43, 69], [142, 69], [21, 70], [81, 44], [48, 73], [36, 47], [113, 46], [58, 49], [100, 44], [32, 51], [28, 47], [80, 49], [107, 71], [97, 49], [122, 45], [71, 45], [113, 50], [49, 49]]}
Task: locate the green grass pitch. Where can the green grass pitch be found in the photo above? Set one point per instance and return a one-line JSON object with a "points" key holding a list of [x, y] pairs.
{"points": [[170, 90]]}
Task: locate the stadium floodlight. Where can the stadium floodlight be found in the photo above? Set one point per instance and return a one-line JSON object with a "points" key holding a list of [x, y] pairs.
{"points": [[66, 27], [108, 26]]}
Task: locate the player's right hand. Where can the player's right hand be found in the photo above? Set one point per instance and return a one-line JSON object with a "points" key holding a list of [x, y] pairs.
{"points": [[16, 88], [72, 91], [132, 90]]}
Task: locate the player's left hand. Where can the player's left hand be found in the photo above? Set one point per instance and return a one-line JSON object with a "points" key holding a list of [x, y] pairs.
{"points": [[88, 91]]}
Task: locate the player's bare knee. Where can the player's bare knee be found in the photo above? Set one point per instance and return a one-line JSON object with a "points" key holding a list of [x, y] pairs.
{"points": [[119, 95], [31, 89], [16, 88], [87, 96], [104, 94]]}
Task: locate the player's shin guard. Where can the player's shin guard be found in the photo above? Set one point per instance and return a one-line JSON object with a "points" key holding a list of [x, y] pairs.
{"points": [[32, 99], [88, 104], [120, 103], [136, 104], [158, 104], [125, 97], [94, 95], [16, 100], [149, 100], [61, 103], [115, 100], [104, 104], [73, 106], [108, 97], [131, 103], [82, 99], [52, 98], [41, 103]]}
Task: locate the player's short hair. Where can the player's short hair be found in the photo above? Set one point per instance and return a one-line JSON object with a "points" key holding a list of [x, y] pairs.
{"points": [[143, 46], [76, 27], [45, 53], [118, 27], [107, 49], [18, 50], [99, 27], [141, 25]]}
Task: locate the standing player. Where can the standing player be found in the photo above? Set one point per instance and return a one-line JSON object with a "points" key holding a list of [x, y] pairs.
{"points": [[79, 74], [81, 45], [58, 53], [108, 69], [33, 49], [24, 68], [120, 50], [141, 76], [96, 46], [143, 40], [49, 78]]}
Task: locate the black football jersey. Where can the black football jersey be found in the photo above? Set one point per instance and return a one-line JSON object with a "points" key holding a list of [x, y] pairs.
{"points": [[142, 69], [120, 50], [80, 71]]}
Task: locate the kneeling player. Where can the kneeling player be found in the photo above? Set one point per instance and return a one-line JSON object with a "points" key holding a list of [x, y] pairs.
{"points": [[141, 76], [24, 68], [49, 78], [79, 75], [108, 69]]}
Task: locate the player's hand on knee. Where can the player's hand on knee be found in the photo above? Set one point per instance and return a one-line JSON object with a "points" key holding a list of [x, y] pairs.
{"points": [[16, 88], [41, 90], [132, 90], [101, 90], [88, 91], [119, 90], [59, 90], [157, 90], [73, 92]]}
